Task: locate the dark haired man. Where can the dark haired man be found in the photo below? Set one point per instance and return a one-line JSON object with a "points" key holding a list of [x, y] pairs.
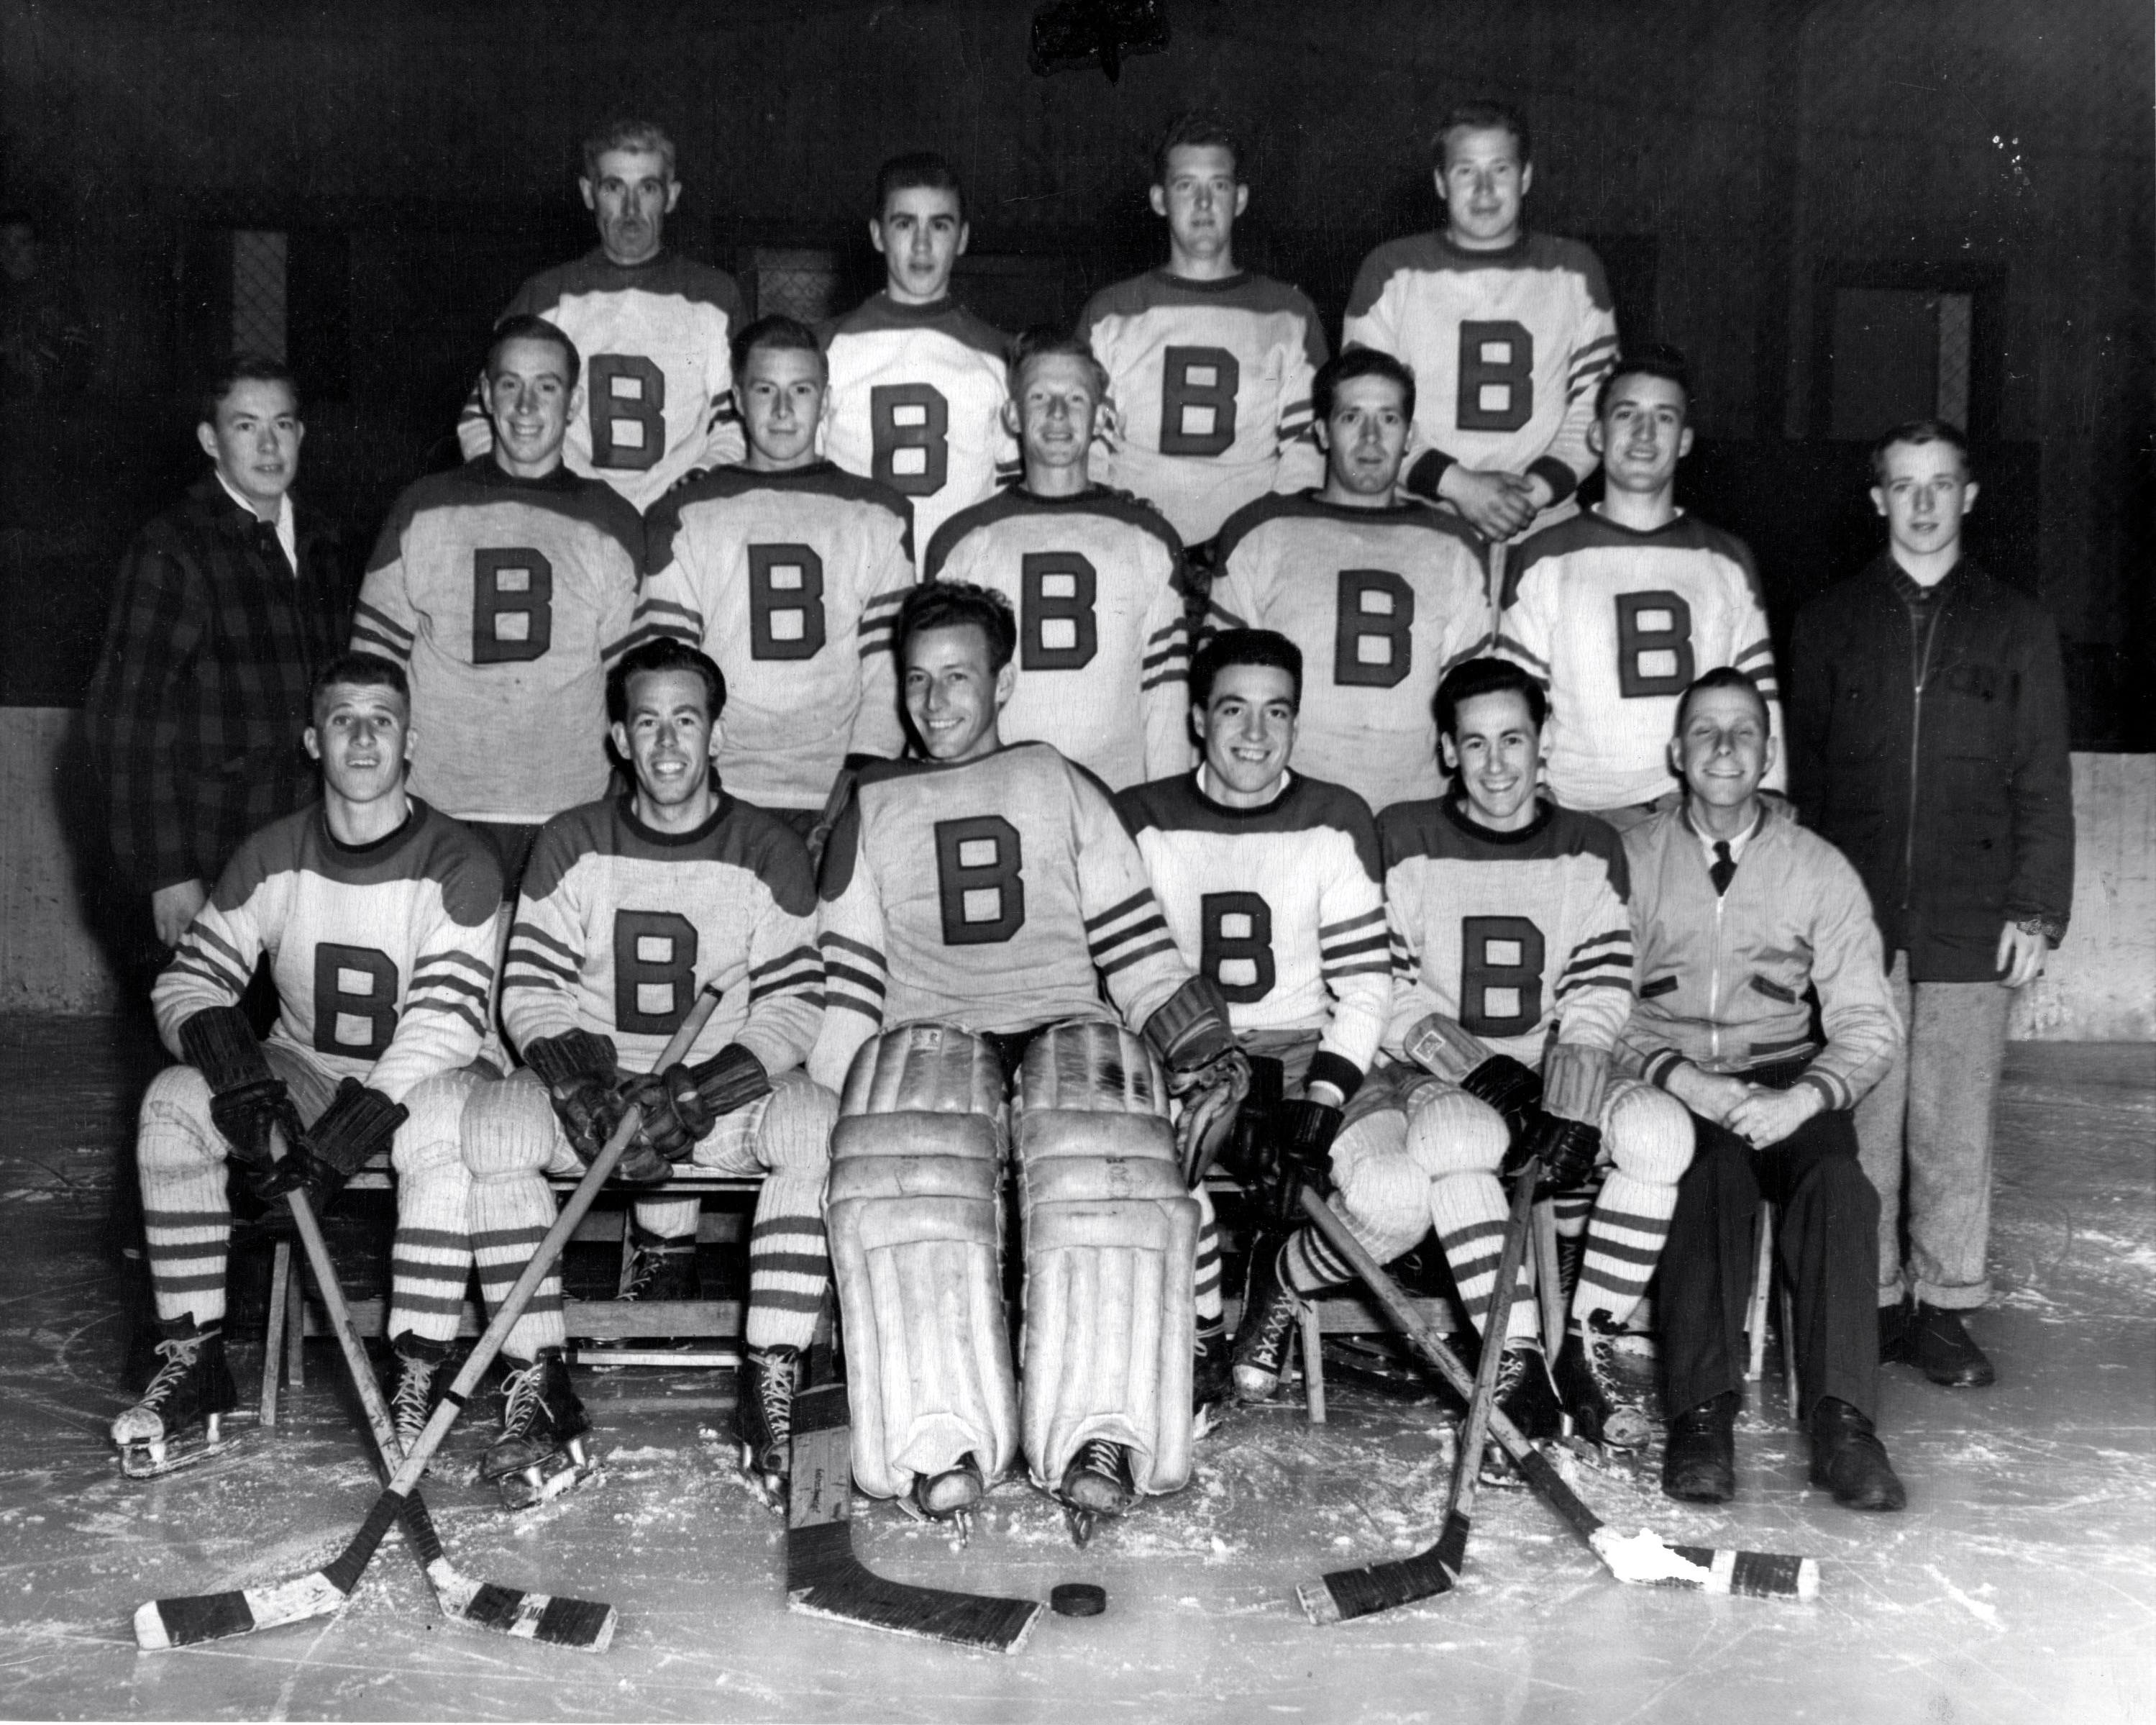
{"points": [[1616, 610], [654, 329], [917, 382], [226, 608], [1382, 597], [988, 932], [1268, 880], [1928, 740], [788, 571], [629, 907], [1740, 913], [1507, 331], [1208, 366], [1095, 577], [375, 913]]}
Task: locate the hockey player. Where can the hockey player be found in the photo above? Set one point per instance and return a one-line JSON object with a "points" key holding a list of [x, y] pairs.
{"points": [[1507, 331], [787, 573], [629, 907], [1269, 884], [1617, 610], [1210, 366], [653, 328], [978, 906], [1730, 886], [505, 588], [1512, 960], [918, 382], [1094, 576], [1383, 598], [377, 914]]}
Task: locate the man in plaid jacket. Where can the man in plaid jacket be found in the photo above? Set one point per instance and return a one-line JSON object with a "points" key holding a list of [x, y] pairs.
{"points": [[226, 607]]}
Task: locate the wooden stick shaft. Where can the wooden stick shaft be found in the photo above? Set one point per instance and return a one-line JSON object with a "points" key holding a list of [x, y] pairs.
{"points": [[1495, 1326]]}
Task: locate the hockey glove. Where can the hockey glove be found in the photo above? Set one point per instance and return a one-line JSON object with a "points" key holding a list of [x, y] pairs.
{"points": [[1446, 1049], [246, 1099], [682, 1104], [1565, 1131], [579, 1071], [1302, 1134], [1510, 1087], [357, 1125], [1249, 1149], [1569, 1149], [1206, 1071]]}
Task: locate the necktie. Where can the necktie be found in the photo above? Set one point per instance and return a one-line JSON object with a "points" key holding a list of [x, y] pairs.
{"points": [[272, 548], [1723, 870]]}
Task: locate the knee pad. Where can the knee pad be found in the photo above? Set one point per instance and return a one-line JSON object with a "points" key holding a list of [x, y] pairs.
{"points": [[913, 1218], [432, 1132], [1450, 1132], [1646, 1132], [1111, 1253], [795, 1132], [509, 1129], [174, 1129], [1383, 1189]]}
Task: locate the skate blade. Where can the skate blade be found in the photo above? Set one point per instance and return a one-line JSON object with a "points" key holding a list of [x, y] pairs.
{"points": [[538, 1485], [1083, 1525], [959, 1521], [771, 1487], [155, 1459]]}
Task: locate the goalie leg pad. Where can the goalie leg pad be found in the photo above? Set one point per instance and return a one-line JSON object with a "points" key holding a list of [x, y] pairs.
{"points": [[430, 1257], [1111, 1248], [914, 1224], [1647, 1137], [179, 1156]]}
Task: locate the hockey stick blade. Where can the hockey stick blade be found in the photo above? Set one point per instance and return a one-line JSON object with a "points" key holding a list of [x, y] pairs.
{"points": [[1644, 1558], [824, 1578], [205, 1617]]}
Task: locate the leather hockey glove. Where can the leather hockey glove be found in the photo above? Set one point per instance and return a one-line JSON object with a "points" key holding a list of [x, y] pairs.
{"points": [[1206, 1071], [1249, 1151], [1445, 1050], [246, 1099], [579, 1071], [357, 1125], [682, 1104], [1302, 1134], [1564, 1131]]}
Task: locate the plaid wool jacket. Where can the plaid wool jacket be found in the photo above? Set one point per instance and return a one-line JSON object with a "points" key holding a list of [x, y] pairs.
{"points": [[195, 714]]}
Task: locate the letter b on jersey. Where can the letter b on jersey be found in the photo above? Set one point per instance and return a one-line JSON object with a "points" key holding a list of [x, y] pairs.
{"points": [[1654, 645], [1496, 376], [512, 605], [1501, 974], [1057, 628], [785, 602], [910, 427], [1198, 389], [654, 970], [978, 882], [1373, 642], [355, 1001], [1235, 945], [628, 398]]}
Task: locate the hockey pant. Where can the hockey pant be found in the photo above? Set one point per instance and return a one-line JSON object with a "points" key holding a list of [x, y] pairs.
{"points": [[1111, 1246], [513, 1139], [182, 1159]]}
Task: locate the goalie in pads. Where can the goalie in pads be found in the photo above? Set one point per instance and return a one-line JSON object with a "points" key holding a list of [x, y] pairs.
{"points": [[974, 905]]}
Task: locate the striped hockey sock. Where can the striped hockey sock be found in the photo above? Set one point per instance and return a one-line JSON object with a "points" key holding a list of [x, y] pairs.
{"points": [[1468, 1210], [430, 1258], [1209, 1298], [1624, 1236], [180, 1156]]}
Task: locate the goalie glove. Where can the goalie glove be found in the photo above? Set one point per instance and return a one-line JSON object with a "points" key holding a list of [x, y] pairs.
{"points": [[246, 1099], [1206, 1071], [682, 1104], [357, 1125]]}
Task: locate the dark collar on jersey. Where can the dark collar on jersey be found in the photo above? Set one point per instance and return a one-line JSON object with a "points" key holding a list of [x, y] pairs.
{"points": [[1229, 812], [816, 472], [1455, 810], [597, 255], [890, 307], [1352, 512], [486, 471], [1191, 284], [626, 807], [1503, 255], [415, 813]]}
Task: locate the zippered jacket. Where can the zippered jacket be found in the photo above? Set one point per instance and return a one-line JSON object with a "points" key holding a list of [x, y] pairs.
{"points": [[1938, 764], [1722, 979]]}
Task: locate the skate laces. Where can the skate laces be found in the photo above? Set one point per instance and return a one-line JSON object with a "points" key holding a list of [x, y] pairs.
{"points": [[1100, 1455], [520, 1411], [1274, 1324], [410, 1401], [774, 1395], [645, 1268], [179, 1353]]}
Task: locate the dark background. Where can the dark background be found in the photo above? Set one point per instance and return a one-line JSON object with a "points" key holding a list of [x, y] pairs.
{"points": [[1737, 162]]}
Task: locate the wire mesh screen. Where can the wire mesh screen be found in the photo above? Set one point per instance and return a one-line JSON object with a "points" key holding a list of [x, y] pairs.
{"points": [[1954, 337], [794, 283], [259, 257]]}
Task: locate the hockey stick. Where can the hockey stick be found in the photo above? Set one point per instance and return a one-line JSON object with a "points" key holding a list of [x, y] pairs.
{"points": [[208, 1617], [1377, 1587], [824, 1578], [1643, 1558]]}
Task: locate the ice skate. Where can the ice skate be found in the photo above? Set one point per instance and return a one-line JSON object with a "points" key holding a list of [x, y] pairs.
{"points": [[951, 1495], [542, 1452], [1267, 1328], [411, 1386], [180, 1419], [1527, 1398], [1600, 1403], [1096, 1484], [763, 1420]]}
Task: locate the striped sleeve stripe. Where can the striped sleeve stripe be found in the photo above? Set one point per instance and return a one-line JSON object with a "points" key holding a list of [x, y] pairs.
{"points": [[1757, 650], [478, 966], [1144, 927], [1370, 967], [545, 968], [855, 947], [449, 1009], [453, 984], [215, 945], [1163, 679], [1570, 984], [870, 1010], [614, 650], [531, 931], [1535, 662], [1330, 950], [836, 974], [665, 614], [807, 980], [792, 956], [1601, 945], [1176, 653], [1109, 967], [195, 961], [393, 632], [1375, 916], [1217, 615], [1140, 899]]}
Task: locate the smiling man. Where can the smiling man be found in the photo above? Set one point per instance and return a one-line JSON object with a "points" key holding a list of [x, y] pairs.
{"points": [[375, 913], [989, 935], [1507, 331], [1619, 609], [1740, 913], [1381, 597], [654, 328], [917, 382], [1095, 577], [1269, 882], [630, 906]]}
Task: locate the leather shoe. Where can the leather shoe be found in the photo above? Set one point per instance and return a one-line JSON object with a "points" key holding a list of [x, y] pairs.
{"points": [[1849, 1460], [1942, 1349], [1894, 1335], [1699, 1465]]}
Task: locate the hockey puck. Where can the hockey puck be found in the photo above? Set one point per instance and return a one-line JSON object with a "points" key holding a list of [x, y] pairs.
{"points": [[1077, 1598]]}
